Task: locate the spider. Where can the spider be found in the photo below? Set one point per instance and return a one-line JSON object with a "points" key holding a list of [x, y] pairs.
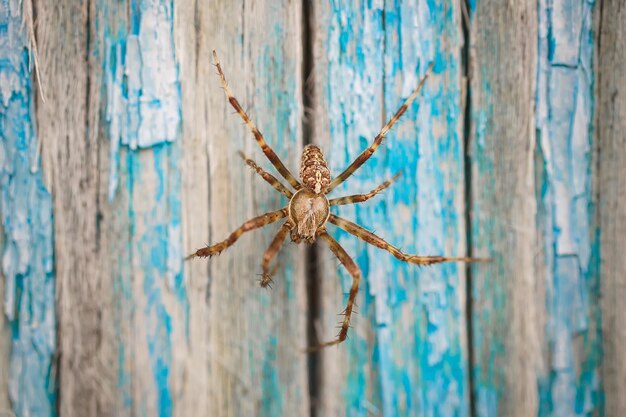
{"points": [[308, 210]]}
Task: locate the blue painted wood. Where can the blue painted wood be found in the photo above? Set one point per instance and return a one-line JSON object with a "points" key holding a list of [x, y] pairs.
{"points": [[143, 115], [570, 386], [256, 336], [506, 314], [536, 318], [407, 354], [610, 129], [426, 345], [26, 207]]}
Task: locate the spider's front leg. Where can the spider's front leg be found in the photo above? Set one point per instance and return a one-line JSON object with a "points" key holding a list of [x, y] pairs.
{"points": [[365, 155], [258, 136], [272, 251], [251, 224], [355, 272]]}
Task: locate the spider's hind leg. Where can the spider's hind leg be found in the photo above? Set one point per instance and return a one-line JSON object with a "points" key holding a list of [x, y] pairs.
{"points": [[355, 272], [272, 251]]}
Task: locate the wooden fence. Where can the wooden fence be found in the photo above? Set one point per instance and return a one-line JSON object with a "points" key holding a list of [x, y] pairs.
{"points": [[514, 150]]}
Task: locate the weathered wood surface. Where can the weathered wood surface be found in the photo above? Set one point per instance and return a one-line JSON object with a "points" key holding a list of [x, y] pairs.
{"points": [[569, 380], [138, 337], [254, 339], [407, 354], [506, 327], [26, 212], [535, 321], [139, 167], [611, 137]]}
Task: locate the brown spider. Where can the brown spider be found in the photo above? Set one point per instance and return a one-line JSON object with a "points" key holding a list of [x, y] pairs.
{"points": [[309, 209]]}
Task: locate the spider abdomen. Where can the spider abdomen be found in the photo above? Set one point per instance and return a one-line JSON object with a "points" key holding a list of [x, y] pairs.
{"points": [[308, 211], [314, 172]]}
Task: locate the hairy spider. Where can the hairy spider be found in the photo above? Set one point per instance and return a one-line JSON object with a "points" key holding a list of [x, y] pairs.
{"points": [[309, 209]]}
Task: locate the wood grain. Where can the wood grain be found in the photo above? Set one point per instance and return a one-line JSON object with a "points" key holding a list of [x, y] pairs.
{"points": [[68, 124], [27, 326], [564, 174], [506, 326], [611, 136], [407, 353], [139, 167], [255, 365]]}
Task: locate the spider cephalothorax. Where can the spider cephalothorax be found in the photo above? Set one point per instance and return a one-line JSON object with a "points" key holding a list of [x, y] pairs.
{"points": [[309, 208]]}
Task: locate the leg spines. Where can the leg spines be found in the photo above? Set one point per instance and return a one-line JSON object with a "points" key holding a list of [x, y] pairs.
{"points": [[269, 178], [252, 224], [365, 155], [272, 251], [360, 198], [355, 272], [271, 155], [379, 242]]}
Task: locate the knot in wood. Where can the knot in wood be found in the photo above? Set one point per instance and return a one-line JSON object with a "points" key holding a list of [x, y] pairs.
{"points": [[314, 172]]}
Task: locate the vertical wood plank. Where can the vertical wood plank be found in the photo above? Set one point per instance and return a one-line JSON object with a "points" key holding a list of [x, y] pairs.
{"points": [[407, 354], [506, 323], [143, 115], [27, 342], [192, 28], [569, 384], [611, 136], [256, 366], [5, 347], [69, 127], [348, 75], [429, 307]]}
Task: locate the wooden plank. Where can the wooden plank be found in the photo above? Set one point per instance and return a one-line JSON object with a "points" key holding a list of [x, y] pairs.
{"points": [[611, 137], [191, 28], [407, 353], [27, 321], [348, 76], [5, 348], [68, 124], [569, 381], [120, 217], [507, 326], [144, 118], [254, 337]]}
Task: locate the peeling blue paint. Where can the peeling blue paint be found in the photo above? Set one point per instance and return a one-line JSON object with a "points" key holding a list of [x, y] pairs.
{"points": [[141, 78], [26, 210], [565, 132], [143, 114], [355, 56], [419, 359], [272, 398]]}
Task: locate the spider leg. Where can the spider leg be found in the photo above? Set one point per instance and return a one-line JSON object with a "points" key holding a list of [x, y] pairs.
{"points": [[271, 155], [278, 186], [354, 270], [272, 251], [251, 224], [359, 198], [372, 239], [360, 160]]}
